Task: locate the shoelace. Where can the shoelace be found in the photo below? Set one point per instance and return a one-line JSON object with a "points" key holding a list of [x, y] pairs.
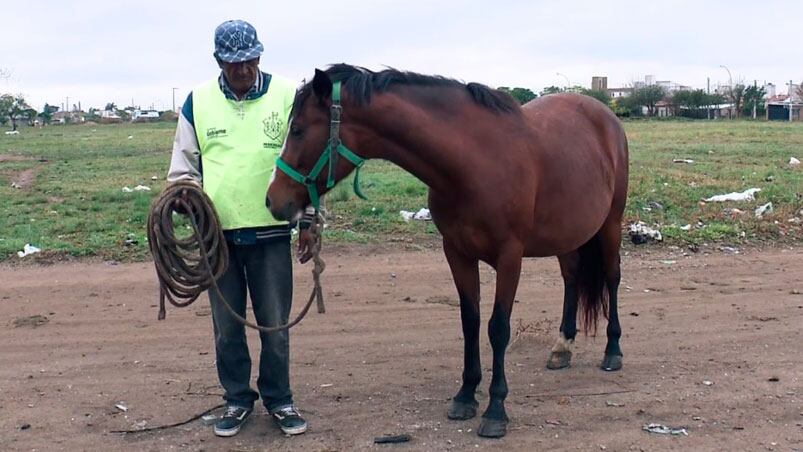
{"points": [[284, 412], [232, 411]]}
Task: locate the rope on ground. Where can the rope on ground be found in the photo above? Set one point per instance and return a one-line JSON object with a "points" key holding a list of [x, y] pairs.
{"points": [[177, 424], [186, 267]]}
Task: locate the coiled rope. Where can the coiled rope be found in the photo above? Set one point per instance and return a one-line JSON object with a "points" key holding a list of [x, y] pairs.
{"points": [[186, 267]]}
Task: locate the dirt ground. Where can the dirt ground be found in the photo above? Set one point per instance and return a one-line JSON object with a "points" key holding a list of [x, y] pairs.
{"points": [[712, 343]]}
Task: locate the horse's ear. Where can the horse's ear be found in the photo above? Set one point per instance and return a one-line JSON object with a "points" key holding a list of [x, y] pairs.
{"points": [[322, 85]]}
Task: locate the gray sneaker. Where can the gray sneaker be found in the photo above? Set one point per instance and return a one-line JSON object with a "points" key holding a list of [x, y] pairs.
{"points": [[232, 421], [289, 420]]}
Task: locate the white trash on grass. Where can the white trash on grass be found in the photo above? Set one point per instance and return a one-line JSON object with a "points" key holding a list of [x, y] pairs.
{"points": [[422, 215], [761, 210], [27, 250], [641, 233], [137, 188], [792, 161], [747, 195], [682, 161], [13, 132]]}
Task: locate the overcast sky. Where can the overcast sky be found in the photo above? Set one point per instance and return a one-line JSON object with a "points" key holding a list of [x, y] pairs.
{"points": [[101, 51]]}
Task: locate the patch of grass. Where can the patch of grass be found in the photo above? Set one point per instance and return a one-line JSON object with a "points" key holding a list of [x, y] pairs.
{"points": [[76, 206]]}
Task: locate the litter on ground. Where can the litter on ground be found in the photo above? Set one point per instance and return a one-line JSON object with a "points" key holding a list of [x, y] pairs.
{"points": [[747, 195], [641, 233], [792, 161], [682, 161], [761, 210], [137, 188], [13, 132], [665, 430], [422, 215], [28, 249]]}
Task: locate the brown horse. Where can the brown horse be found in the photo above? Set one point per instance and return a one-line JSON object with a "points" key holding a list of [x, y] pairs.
{"points": [[505, 182]]}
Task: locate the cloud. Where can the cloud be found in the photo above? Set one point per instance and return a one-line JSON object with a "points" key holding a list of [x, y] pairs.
{"points": [[101, 51]]}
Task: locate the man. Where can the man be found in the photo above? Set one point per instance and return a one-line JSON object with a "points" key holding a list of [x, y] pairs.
{"points": [[229, 134]]}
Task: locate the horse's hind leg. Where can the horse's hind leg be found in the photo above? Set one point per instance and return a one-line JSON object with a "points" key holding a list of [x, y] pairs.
{"points": [[561, 355], [465, 272], [611, 238]]}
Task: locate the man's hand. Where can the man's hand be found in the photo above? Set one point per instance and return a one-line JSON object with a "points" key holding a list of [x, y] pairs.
{"points": [[305, 242]]}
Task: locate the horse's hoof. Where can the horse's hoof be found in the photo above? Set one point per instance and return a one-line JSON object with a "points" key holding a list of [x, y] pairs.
{"points": [[461, 411], [492, 428], [611, 363], [559, 360]]}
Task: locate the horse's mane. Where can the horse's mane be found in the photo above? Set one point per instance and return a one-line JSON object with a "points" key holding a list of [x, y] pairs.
{"points": [[360, 83]]}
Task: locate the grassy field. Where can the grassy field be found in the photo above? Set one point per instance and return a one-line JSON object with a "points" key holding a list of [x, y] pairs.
{"points": [[72, 200]]}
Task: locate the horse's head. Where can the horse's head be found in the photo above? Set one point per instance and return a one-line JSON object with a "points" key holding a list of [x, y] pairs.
{"points": [[310, 163]]}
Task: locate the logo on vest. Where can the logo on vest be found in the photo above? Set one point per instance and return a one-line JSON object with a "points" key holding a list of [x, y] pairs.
{"points": [[214, 132], [273, 126]]}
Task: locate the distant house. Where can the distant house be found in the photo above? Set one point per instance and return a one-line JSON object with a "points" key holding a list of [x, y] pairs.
{"points": [[109, 117], [144, 116], [779, 107], [663, 109], [616, 93], [64, 117]]}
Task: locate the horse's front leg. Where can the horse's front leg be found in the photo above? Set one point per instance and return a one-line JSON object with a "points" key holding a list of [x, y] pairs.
{"points": [[465, 272], [508, 269]]}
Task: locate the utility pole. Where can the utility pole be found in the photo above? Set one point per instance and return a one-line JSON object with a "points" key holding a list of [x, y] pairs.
{"points": [[755, 97], [67, 104], [174, 99], [708, 91], [790, 101], [730, 88]]}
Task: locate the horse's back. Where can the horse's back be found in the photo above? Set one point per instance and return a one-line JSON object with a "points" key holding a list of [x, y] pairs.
{"points": [[580, 153]]}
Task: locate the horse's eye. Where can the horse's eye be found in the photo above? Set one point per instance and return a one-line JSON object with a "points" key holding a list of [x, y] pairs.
{"points": [[296, 132]]}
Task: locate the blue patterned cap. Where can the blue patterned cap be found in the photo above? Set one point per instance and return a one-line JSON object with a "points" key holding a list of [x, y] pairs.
{"points": [[236, 41]]}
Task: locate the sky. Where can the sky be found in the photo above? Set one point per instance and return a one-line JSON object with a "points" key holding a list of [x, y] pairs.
{"points": [[118, 51]]}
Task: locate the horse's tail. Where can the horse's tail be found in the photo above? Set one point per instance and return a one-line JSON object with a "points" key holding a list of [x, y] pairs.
{"points": [[592, 291]]}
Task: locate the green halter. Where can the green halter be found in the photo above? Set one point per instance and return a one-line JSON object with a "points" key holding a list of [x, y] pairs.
{"points": [[333, 149]]}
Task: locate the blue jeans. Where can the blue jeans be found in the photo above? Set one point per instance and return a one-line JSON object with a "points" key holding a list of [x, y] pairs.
{"points": [[265, 271]]}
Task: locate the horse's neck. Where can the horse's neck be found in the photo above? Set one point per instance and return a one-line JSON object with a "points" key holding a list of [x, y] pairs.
{"points": [[406, 135]]}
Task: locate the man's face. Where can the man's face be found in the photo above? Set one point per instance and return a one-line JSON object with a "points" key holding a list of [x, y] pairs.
{"points": [[240, 76]]}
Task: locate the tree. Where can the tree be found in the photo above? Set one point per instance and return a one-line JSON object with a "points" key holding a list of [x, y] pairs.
{"points": [[647, 96], [522, 95], [754, 100], [551, 90], [5, 108], [737, 97], [111, 106], [47, 113], [11, 107], [690, 103], [799, 91], [600, 95]]}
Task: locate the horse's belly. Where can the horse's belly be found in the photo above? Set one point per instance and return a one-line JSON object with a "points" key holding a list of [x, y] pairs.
{"points": [[559, 228]]}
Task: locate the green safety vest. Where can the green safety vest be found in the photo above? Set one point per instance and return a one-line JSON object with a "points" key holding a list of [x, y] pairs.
{"points": [[239, 142]]}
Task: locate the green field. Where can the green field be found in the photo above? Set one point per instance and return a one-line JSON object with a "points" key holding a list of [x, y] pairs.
{"points": [[74, 203]]}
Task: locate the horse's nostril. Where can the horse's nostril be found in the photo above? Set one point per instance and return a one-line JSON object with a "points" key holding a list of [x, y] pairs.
{"points": [[267, 202]]}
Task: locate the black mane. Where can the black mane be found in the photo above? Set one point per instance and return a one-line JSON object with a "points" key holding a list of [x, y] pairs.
{"points": [[360, 83]]}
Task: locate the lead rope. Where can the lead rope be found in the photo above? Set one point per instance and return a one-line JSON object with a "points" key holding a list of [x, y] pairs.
{"points": [[188, 267]]}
